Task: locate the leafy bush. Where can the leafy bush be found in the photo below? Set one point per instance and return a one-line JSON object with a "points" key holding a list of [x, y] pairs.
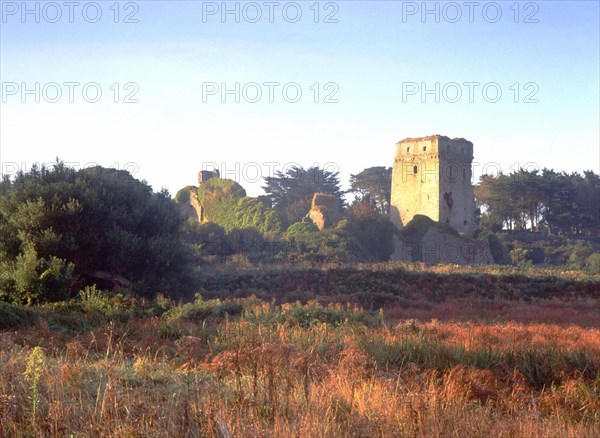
{"points": [[311, 313], [201, 309], [39, 279], [208, 238], [328, 245], [592, 264], [372, 230], [299, 228], [499, 251], [60, 224], [555, 250], [521, 257], [315, 313], [12, 316], [96, 300], [219, 198], [245, 240], [183, 195], [253, 213], [579, 254], [226, 204]]}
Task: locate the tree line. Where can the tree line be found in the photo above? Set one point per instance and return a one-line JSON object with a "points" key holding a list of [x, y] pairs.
{"points": [[547, 201], [62, 229]]}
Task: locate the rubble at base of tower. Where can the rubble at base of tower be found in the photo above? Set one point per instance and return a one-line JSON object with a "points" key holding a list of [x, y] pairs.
{"points": [[424, 240]]}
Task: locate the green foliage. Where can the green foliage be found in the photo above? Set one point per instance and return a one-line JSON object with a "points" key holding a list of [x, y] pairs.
{"points": [[25, 275], [225, 203], [96, 300], [372, 230], [300, 228], [207, 238], [200, 310], [219, 198], [183, 195], [39, 279], [361, 237], [560, 203], [244, 240], [499, 251], [14, 316], [253, 213], [374, 185], [579, 255], [60, 224], [291, 192], [313, 313], [328, 245], [520, 256], [592, 264], [167, 331], [543, 249]]}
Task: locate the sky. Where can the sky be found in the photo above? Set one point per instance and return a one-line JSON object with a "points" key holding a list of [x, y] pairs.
{"points": [[167, 88]]}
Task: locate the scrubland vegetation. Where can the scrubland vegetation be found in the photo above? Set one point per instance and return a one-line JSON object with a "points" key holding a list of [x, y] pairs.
{"points": [[519, 357], [120, 318]]}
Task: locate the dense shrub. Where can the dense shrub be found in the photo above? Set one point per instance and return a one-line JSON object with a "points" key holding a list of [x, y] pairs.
{"points": [[253, 213], [543, 249], [592, 263], [299, 228], [60, 225], [219, 198], [12, 316], [200, 310], [499, 252], [373, 231], [226, 204]]}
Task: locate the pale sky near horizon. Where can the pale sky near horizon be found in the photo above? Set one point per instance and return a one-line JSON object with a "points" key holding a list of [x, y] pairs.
{"points": [[376, 60]]}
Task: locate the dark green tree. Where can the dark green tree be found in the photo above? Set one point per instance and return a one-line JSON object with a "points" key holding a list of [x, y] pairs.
{"points": [[561, 203], [374, 185], [291, 192], [60, 226]]}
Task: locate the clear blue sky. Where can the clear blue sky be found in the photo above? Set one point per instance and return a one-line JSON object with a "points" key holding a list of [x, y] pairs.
{"points": [[368, 54]]}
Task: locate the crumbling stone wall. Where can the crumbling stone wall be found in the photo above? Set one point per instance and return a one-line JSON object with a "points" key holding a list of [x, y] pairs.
{"points": [[324, 211], [205, 175], [193, 209], [438, 246]]}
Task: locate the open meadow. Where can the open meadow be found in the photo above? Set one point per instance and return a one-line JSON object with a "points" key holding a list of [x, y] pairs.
{"points": [[365, 351]]}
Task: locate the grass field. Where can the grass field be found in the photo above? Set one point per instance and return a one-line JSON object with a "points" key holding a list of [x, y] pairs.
{"points": [[453, 352]]}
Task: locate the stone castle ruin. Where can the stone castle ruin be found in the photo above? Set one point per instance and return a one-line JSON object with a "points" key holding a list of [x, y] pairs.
{"points": [[205, 175], [432, 203], [324, 211], [195, 210], [431, 178]]}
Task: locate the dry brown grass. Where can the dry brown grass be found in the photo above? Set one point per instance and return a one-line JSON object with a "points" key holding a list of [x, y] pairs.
{"points": [[256, 375]]}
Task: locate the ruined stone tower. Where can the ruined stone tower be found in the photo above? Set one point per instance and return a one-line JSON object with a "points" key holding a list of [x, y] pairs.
{"points": [[432, 176]]}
